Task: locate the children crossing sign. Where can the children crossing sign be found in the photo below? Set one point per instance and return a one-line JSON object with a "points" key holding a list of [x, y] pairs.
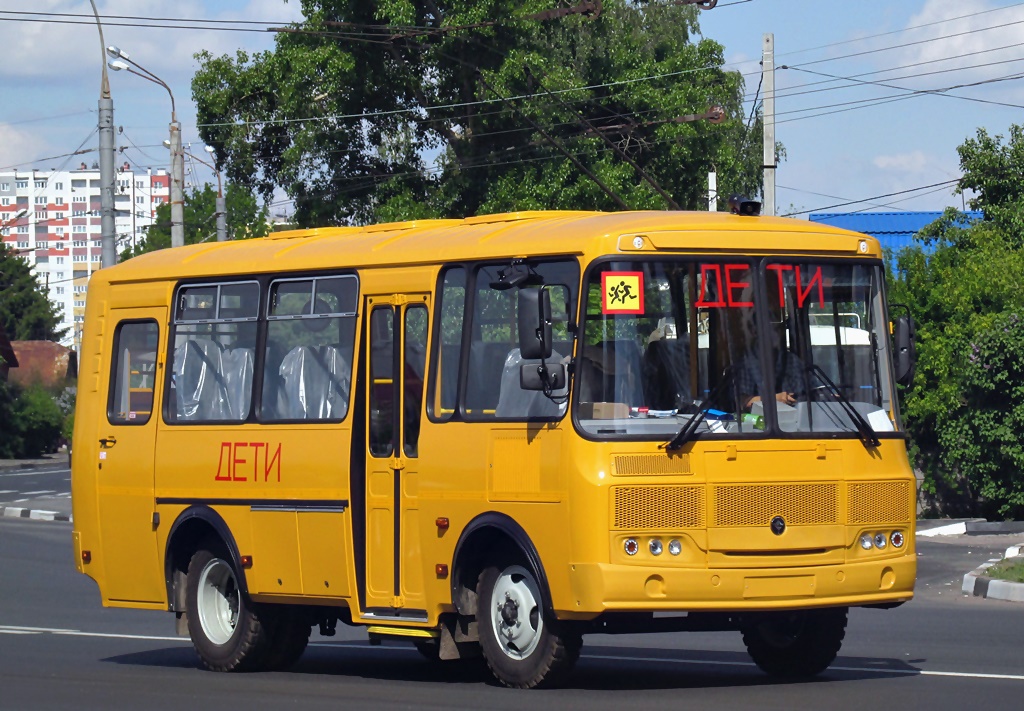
{"points": [[622, 292]]}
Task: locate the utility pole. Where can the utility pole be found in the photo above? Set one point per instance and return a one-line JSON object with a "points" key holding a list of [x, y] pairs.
{"points": [[177, 181], [108, 235], [769, 164]]}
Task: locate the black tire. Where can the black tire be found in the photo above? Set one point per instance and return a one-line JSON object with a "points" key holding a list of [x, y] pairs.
{"points": [[227, 629], [796, 644], [289, 635], [523, 646]]}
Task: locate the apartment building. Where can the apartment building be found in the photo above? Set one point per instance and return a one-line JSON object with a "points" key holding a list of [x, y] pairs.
{"points": [[52, 218]]}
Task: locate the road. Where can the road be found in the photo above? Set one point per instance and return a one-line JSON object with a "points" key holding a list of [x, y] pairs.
{"points": [[29, 488], [62, 650]]}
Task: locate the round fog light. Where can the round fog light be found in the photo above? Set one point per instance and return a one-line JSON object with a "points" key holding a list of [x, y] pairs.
{"points": [[655, 546], [879, 540], [866, 541], [631, 546], [896, 539], [675, 547]]}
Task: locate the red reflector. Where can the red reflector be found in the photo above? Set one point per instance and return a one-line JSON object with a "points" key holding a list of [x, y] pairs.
{"points": [[441, 570], [86, 556], [246, 561], [442, 522]]}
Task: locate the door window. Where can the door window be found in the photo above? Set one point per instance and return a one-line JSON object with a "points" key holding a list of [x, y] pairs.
{"points": [[133, 372], [415, 344]]}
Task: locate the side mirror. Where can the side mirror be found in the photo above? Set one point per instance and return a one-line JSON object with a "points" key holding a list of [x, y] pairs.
{"points": [[534, 323], [906, 351]]}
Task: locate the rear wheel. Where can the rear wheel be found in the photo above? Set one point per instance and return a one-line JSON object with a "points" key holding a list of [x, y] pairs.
{"points": [[227, 630], [796, 644], [523, 647]]}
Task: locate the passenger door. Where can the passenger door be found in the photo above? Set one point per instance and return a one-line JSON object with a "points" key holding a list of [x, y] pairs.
{"points": [[396, 347], [125, 466]]}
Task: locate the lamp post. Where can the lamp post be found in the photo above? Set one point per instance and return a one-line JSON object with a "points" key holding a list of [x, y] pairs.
{"points": [[108, 235], [122, 61]]}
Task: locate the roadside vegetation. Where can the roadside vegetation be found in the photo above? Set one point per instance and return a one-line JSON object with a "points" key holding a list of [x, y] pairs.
{"points": [[1011, 569], [963, 284]]}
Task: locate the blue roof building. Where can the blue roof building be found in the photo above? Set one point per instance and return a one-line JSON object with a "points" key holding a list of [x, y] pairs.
{"points": [[894, 230]]}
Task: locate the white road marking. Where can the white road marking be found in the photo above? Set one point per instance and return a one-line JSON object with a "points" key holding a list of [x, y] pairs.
{"points": [[9, 491], [11, 629], [36, 493], [32, 472], [873, 670]]}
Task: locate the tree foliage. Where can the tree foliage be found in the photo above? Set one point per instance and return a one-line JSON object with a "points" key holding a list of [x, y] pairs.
{"points": [[30, 420], [246, 218], [25, 308], [401, 109], [962, 281]]}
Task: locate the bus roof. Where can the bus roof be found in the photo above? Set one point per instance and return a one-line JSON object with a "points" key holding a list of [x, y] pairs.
{"points": [[520, 234]]}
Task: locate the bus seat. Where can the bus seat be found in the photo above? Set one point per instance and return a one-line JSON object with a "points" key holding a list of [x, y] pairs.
{"points": [[513, 401], [315, 384], [666, 374], [238, 368], [200, 392], [610, 372]]}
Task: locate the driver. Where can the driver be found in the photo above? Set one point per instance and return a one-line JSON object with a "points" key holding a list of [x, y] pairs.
{"points": [[789, 376]]}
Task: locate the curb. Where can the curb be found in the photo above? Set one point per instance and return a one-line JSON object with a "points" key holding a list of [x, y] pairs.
{"points": [[977, 584], [34, 514]]}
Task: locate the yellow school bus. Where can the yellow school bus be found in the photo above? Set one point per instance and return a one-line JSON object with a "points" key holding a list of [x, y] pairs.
{"points": [[495, 435]]}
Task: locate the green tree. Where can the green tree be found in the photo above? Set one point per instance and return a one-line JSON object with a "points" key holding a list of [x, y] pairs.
{"points": [[246, 218], [400, 109], [963, 285], [25, 308]]}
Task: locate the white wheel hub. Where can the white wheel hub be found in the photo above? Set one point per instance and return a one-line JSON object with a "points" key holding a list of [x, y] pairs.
{"points": [[516, 618], [217, 601]]}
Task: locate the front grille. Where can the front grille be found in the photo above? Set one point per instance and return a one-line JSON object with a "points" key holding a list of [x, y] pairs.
{"points": [[647, 464], [658, 507], [757, 504], [878, 502]]}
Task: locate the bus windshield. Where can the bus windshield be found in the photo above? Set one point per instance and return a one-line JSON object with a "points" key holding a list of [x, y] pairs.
{"points": [[752, 347]]}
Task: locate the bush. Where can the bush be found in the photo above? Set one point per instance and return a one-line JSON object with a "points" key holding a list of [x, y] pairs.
{"points": [[30, 421]]}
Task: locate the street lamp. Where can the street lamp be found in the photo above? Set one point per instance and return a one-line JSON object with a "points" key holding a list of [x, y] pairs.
{"points": [[121, 61], [105, 125]]}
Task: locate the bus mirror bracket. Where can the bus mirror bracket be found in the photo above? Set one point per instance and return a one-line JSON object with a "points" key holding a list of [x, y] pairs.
{"points": [[534, 323], [905, 355], [549, 377]]}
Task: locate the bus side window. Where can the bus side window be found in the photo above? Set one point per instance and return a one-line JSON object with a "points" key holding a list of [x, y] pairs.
{"points": [[382, 385], [131, 394], [450, 318]]}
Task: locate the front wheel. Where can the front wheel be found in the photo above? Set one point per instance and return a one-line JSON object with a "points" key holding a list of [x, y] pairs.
{"points": [[226, 630], [523, 646], [796, 644]]}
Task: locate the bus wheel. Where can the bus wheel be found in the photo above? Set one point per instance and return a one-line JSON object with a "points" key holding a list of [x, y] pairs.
{"points": [[796, 644], [226, 630], [288, 639], [522, 647]]}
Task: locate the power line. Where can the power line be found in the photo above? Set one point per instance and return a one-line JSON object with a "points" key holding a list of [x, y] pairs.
{"points": [[875, 197]]}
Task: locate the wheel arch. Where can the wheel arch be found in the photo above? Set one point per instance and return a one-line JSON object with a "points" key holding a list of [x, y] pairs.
{"points": [[195, 524], [484, 533]]}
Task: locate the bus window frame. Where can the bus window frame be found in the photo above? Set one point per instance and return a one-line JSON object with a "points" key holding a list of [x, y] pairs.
{"points": [[264, 280], [473, 269], [115, 353], [758, 263], [172, 337]]}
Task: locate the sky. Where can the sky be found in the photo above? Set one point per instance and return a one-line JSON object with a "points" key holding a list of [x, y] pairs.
{"points": [[851, 144]]}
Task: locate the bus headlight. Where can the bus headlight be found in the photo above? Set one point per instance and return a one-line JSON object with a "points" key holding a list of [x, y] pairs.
{"points": [[631, 546], [675, 547], [655, 546], [896, 539], [880, 541], [866, 541]]}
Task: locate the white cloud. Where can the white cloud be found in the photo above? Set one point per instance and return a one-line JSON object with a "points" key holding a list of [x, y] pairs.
{"points": [[986, 35], [17, 146], [913, 162]]}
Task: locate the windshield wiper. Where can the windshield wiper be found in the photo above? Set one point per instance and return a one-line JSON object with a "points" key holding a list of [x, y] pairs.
{"points": [[866, 432], [687, 431]]}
